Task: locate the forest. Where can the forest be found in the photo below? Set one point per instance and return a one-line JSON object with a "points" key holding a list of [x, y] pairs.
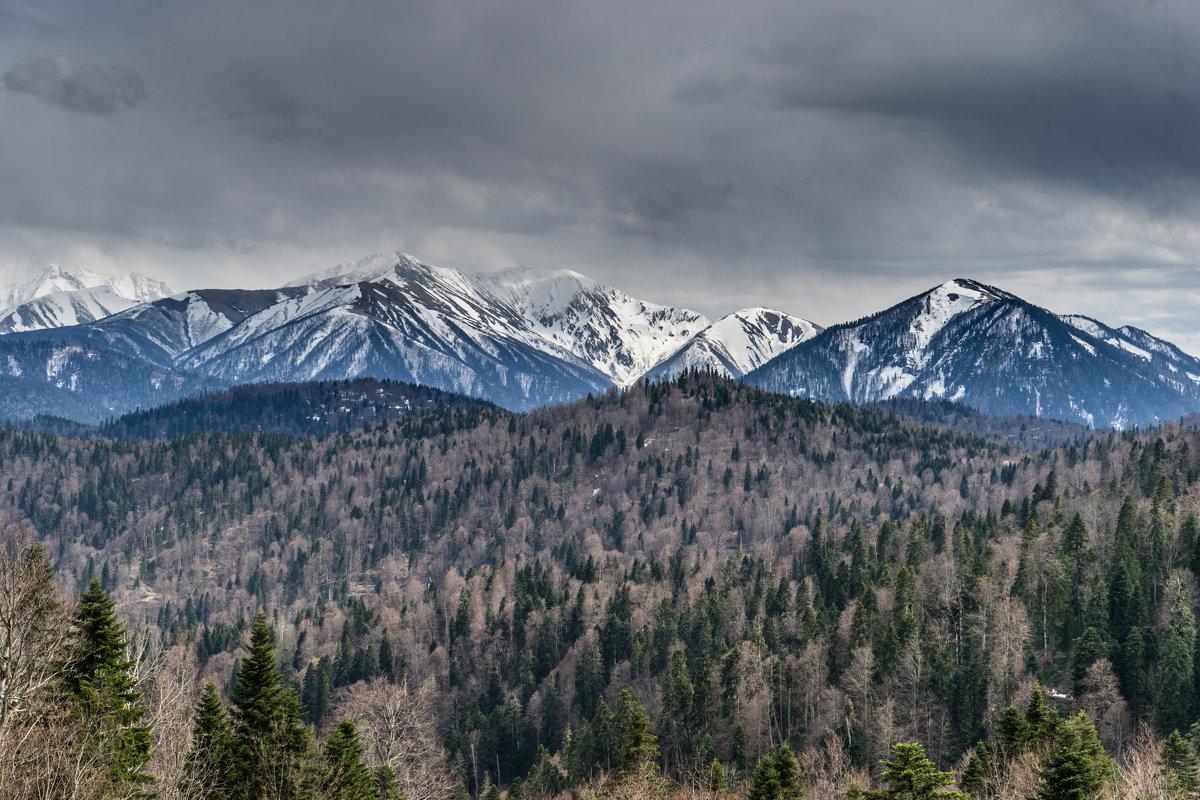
{"points": [[690, 588]]}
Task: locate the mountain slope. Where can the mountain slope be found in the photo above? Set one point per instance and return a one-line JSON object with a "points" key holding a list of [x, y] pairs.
{"points": [[989, 349], [739, 343], [97, 382]]}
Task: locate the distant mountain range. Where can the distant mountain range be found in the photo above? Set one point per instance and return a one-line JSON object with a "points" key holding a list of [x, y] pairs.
{"points": [[50, 296], [523, 338]]}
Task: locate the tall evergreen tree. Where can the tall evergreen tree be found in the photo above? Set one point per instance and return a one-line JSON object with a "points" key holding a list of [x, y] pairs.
{"points": [[270, 741], [343, 774], [1180, 764], [1077, 768], [103, 685], [910, 775], [208, 772], [1176, 654]]}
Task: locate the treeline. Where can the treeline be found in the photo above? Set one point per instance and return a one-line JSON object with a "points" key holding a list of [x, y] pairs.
{"points": [[752, 572]]}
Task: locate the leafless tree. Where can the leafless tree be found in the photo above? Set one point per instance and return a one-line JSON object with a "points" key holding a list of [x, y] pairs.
{"points": [[397, 727]]}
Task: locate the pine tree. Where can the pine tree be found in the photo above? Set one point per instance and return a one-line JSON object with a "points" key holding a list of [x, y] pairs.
{"points": [[912, 776], [1042, 720], [977, 776], [1176, 652], [1180, 764], [764, 783], [1012, 732], [270, 741], [208, 772], [1077, 767], [102, 683], [717, 782], [386, 785], [788, 771], [343, 773], [638, 749]]}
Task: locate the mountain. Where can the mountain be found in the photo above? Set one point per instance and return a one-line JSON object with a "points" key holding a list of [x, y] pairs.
{"points": [[34, 298], [739, 343], [416, 333], [976, 344], [554, 311], [619, 335]]}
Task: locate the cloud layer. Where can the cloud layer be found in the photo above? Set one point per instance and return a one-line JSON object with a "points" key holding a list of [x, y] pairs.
{"points": [[828, 157]]}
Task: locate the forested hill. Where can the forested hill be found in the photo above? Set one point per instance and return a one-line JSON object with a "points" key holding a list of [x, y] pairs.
{"points": [[316, 408], [753, 569]]}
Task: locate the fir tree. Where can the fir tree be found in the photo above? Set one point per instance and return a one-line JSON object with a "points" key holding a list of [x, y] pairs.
{"points": [[208, 771], [910, 775], [343, 773], [976, 778], [764, 783], [102, 683], [270, 741], [1077, 767], [1180, 763], [717, 782]]}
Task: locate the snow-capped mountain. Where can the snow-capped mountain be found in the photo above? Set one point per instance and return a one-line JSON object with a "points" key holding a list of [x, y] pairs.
{"points": [[739, 343], [554, 311], [523, 338], [35, 298], [619, 335], [382, 330], [989, 349]]}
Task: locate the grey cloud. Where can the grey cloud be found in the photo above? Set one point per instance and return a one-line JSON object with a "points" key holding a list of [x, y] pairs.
{"points": [[101, 90], [762, 151]]}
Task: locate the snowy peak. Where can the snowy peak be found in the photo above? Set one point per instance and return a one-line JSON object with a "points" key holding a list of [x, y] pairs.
{"points": [[35, 298], [619, 335], [968, 342], [557, 311], [1160, 356], [739, 343], [941, 304]]}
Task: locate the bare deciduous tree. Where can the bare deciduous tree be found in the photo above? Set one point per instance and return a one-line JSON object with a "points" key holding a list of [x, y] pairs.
{"points": [[396, 725]]}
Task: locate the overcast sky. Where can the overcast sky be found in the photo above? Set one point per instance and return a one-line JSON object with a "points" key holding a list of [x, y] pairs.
{"points": [[824, 158]]}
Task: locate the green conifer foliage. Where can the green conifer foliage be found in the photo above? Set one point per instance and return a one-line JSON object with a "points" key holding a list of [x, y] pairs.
{"points": [[343, 773], [1077, 768], [910, 775], [638, 748], [208, 773], [764, 784], [718, 783], [1180, 763], [103, 685], [270, 741]]}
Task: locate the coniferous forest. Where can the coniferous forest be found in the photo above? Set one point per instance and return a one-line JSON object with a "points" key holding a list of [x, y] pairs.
{"points": [[688, 589]]}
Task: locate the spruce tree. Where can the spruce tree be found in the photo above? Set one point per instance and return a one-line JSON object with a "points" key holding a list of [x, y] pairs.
{"points": [[343, 773], [910, 775], [1180, 764], [270, 741], [764, 783], [208, 772], [1077, 768], [717, 782], [638, 749], [102, 683], [976, 778], [1012, 732]]}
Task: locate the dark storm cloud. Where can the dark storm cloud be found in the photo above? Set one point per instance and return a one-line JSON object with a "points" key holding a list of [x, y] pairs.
{"points": [[694, 152], [86, 89]]}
